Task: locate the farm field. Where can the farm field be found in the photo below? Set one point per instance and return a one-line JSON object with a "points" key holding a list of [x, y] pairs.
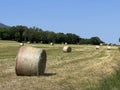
{"points": [[85, 68]]}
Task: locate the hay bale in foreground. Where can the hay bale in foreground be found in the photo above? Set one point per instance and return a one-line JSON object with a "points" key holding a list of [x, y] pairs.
{"points": [[67, 49], [30, 61]]}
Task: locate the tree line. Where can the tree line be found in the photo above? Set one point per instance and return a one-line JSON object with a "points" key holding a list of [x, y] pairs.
{"points": [[33, 34]]}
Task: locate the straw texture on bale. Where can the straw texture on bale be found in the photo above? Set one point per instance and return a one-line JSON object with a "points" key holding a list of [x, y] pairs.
{"points": [[30, 61], [67, 49]]}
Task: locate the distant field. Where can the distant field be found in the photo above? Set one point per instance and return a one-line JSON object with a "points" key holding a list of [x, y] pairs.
{"points": [[83, 69]]}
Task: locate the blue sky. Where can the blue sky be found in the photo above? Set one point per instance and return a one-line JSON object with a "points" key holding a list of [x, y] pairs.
{"points": [[86, 18]]}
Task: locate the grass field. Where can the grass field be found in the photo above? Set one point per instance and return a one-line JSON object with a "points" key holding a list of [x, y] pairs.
{"points": [[85, 68]]}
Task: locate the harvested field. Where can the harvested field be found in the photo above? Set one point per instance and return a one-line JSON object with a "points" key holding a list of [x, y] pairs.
{"points": [[83, 68]]}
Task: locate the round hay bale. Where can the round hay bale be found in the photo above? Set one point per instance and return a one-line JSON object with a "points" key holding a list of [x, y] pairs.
{"points": [[30, 61], [108, 48], [21, 44], [67, 49], [65, 43], [97, 47], [28, 42], [51, 43]]}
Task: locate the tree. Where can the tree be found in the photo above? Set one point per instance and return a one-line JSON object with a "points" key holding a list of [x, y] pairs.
{"points": [[84, 41], [72, 38], [5, 33], [96, 41], [21, 30], [23, 33], [60, 38], [51, 36]]}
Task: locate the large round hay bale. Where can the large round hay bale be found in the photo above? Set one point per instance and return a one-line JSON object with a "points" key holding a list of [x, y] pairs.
{"points": [[67, 49], [30, 61]]}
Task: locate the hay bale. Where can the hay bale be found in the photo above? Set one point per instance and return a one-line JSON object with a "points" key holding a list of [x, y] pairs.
{"points": [[67, 49], [30, 61], [101, 44], [28, 42], [108, 47], [65, 43], [21, 44], [51, 43], [97, 47]]}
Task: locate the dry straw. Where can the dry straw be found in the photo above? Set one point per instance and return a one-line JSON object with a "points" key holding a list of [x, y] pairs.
{"points": [[67, 49], [30, 61]]}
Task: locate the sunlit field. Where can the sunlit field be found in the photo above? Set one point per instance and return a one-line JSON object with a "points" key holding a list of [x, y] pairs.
{"points": [[85, 68]]}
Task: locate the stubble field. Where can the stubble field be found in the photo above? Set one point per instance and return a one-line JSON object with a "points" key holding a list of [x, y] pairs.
{"points": [[85, 68]]}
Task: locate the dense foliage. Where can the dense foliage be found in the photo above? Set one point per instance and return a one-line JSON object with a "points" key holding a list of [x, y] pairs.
{"points": [[25, 34]]}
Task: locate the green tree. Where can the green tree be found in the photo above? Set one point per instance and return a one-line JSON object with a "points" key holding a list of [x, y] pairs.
{"points": [[60, 38], [21, 30], [72, 38], [96, 41]]}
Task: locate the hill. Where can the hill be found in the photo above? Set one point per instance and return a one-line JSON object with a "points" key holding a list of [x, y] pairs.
{"points": [[3, 25]]}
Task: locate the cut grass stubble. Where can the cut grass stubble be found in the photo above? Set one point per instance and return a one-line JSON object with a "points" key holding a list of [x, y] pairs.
{"points": [[84, 68]]}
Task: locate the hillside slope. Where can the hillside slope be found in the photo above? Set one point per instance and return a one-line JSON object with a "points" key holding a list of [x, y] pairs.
{"points": [[3, 25]]}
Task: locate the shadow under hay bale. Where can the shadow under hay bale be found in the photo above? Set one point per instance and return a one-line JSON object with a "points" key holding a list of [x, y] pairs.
{"points": [[67, 49], [48, 74], [30, 61]]}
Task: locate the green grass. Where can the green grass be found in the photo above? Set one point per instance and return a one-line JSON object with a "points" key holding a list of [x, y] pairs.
{"points": [[109, 83], [85, 68]]}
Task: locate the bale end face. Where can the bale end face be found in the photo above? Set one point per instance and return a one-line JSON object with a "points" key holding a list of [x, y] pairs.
{"points": [[51, 44], [67, 49], [42, 63]]}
